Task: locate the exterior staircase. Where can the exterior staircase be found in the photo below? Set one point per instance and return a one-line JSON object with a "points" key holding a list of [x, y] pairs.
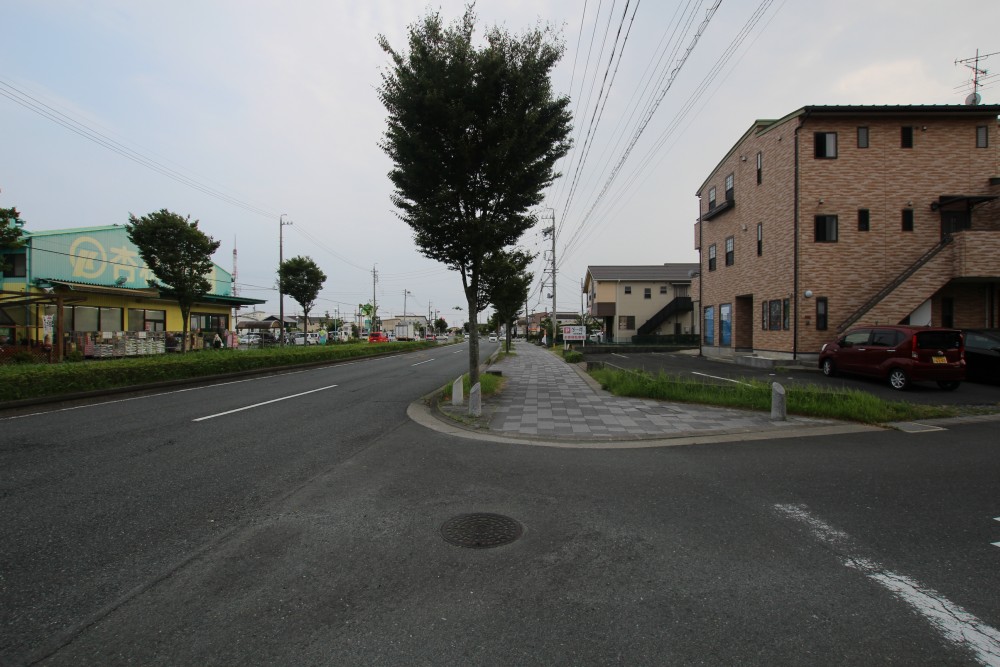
{"points": [[908, 290], [680, 304]]}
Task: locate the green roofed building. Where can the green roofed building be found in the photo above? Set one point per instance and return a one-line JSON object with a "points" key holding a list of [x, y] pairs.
{"points": [[87, 289]]}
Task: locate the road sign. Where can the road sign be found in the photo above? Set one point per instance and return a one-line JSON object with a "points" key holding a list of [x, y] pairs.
{"points": [[574, 333]]}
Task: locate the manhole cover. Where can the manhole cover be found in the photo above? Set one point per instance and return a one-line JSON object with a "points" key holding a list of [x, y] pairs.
{"points": [[481, 530]]}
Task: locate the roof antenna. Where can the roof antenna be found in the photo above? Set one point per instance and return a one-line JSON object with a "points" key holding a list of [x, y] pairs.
{"points": [[974, 97]]}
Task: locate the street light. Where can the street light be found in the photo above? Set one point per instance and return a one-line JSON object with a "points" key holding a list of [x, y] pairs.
{"points": [[281, 260]]}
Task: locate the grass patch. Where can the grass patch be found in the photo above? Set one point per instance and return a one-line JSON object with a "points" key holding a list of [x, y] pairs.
{"points": [[809, 401], [488, 384], [18, 382]]}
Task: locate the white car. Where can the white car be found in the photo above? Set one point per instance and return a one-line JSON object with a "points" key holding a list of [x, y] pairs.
{"points": [[494, 339]]}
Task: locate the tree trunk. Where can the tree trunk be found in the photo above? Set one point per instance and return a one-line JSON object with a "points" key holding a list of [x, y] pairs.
{"points": [[473, 339]]}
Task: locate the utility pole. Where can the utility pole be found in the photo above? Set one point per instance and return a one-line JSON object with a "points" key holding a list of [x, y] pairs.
{"points": [[281, 260], [374, 307], [552, 230]]}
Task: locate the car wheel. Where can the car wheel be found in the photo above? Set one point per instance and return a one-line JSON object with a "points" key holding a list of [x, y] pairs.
{"points": [[898, 379], [829, 369], [949, 386]]}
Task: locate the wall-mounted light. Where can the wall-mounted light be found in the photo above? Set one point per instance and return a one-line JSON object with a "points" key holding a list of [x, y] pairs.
{"points": [[808, 294], [743, 226], [820, 202], [909, 203], [743, 158]]}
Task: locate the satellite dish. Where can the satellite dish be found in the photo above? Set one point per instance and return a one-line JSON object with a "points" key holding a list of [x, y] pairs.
{"points": [[973, 99]]}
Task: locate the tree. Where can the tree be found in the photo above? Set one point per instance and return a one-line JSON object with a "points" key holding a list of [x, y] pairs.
{"points": [[474, 134], [508, 282], [440, 325], [176, 252], [302, 280], [10, 233]]}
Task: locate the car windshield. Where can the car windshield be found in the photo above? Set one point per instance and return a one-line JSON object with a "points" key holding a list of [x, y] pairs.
{"points": [[941, 340]]}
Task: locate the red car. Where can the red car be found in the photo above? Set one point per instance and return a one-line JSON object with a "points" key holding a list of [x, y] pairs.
{"points": [[899, 354], [378, 337]]}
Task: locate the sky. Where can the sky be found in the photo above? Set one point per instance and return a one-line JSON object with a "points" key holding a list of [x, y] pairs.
{"points": [[242, 114]]}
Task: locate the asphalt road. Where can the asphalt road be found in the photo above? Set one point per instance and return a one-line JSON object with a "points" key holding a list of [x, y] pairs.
{"points": [[722, 372], [305, 529]]}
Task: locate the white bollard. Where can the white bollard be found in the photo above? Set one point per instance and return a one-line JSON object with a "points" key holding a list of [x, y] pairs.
{"points": [[457, 392], [476, 400], [778, 407]]}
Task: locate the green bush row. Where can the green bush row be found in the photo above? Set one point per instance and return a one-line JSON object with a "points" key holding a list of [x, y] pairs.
{"points": [[23, 381]]}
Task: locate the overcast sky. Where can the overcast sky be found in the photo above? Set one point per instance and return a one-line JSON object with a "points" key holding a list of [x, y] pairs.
{"points": [[256, 109]]}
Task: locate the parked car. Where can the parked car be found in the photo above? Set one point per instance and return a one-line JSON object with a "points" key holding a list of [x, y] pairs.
{"points": [[249, 339], [378, 337], [441, 337], [982, 354], [493, 338], [899, 354], [303, 338]]}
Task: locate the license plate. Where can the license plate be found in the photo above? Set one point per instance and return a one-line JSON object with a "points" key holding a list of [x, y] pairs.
{"points": [[939, 360]]}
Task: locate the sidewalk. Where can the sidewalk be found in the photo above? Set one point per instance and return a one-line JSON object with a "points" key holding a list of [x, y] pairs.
{"points": [[546, 400]]}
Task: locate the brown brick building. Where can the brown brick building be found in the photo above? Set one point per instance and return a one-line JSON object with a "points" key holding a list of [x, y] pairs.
{"points": [[841, 215]]}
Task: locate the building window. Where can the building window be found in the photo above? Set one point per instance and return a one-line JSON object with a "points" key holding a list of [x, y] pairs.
{"points": [[711, 257], [15, 266], [729, 187], [821, 313], [825, 145], [906, 137], [730, 242], [763, 315], [726, 325], [862, 137], [628, 289], [982, 137], [147, 320], [826, 229], [760, 168], [786, 313], [208, 322], [864, 218], [774, 318], [89, 318], [647, 292], [711, 198], [907, 219], [663, 289], [709, 325], [626, 322], [760, 239]]}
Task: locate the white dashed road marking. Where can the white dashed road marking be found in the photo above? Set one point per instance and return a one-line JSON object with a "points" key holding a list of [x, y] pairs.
{"points": [[257, 405]]}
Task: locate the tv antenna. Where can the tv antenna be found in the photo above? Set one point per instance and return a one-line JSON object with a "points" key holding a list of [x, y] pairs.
{"points": [[974, 97]]}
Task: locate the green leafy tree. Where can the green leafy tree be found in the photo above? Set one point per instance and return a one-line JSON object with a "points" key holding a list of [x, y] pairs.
{"points": [[508, 282], [10, 233], [440, 325], [302, 280], [474, 134], [177, 253]]}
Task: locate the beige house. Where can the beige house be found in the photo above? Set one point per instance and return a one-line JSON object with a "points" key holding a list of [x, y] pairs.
{"points": [[841, 215], [642, 300]]}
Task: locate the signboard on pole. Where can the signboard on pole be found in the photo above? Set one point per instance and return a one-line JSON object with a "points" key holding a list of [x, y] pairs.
{"points": [[574, 333]]}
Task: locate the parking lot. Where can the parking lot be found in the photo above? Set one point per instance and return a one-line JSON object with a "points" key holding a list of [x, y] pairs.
{"points": [[689, 365]]}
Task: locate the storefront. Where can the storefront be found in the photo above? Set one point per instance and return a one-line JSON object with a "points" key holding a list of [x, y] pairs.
{"points": [[87, 290]]}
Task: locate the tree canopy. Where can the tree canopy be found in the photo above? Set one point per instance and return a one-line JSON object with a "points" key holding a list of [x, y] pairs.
{"points": [[301, 279], [474, 134], [177, 253], [10, 232], [508, 281]]}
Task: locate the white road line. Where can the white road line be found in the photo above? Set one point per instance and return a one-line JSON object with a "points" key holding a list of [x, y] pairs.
{"points": [[954, 623], [257, 405], [615, 354], [716, 377], [422, 362]]}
